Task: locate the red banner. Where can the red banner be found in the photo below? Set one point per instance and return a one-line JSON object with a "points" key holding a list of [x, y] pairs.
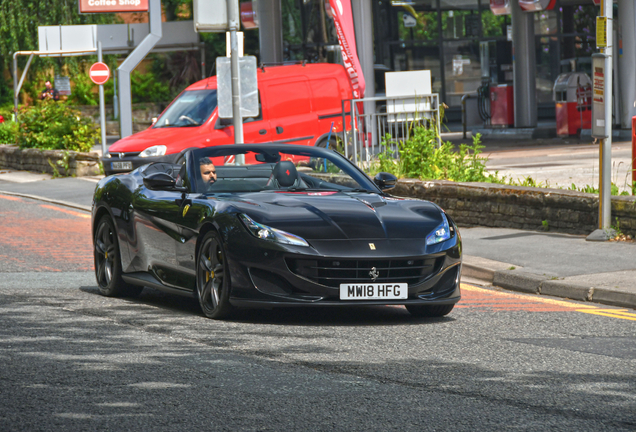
{"points": [[343, 19], [112, 6]]}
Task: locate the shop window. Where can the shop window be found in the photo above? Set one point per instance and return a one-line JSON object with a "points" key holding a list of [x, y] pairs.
{"points": [[416, 20], [459, 24], [418, 26], [545, 22], [547, 68], [494, 25], [418, 58], [576, 52], [462, 70]]}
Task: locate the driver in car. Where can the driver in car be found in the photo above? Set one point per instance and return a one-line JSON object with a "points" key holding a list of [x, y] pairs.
{"points": [[208, 171]]}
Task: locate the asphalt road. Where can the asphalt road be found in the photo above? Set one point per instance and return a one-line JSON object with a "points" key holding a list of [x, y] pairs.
{"points": [[74, 360]]}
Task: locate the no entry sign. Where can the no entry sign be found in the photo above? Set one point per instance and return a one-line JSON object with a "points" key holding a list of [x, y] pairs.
{"points": [[99, 73]]}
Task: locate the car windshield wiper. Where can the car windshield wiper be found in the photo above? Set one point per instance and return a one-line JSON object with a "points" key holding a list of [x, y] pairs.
{"points": [[360, 190], [308, 189]]}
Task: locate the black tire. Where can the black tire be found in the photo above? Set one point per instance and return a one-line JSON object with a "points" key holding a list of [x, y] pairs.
{"points": [[430, 311], [108, 262], [213, 278], [332, 142]]}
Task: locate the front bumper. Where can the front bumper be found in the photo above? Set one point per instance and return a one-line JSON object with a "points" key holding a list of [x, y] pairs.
{"points": [[263, 273]]}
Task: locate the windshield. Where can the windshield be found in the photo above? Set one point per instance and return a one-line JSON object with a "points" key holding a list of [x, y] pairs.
{"points": [[276, 169], [191, 108]]}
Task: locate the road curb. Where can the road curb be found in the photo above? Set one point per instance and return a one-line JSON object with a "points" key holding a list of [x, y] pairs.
{"points": [[48, 200], [501, 275]]}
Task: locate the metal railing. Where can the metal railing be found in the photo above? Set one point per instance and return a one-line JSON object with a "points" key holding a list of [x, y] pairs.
{"points": [[391, 122]]}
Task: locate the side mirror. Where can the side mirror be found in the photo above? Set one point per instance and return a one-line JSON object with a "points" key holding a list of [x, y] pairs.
{"points": [[222, 123], [160, 181], [385, 181]]}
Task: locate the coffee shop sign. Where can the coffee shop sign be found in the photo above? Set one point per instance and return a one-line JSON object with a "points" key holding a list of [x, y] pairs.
{"points": [[112, 6]]}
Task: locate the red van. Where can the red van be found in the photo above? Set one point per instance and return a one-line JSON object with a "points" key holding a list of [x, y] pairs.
{"points": [[298, 105]]}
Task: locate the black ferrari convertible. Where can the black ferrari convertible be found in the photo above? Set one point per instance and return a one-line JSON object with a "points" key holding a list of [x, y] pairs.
{"points": [[272, 226]]}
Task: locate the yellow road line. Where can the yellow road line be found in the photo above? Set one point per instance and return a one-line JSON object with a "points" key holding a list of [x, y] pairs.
{"points": [[527, 297], [588, 309], [612, 313]]}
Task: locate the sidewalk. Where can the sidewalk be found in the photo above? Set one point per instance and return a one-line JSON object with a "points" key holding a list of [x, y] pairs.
{"points": [[543, 263]]}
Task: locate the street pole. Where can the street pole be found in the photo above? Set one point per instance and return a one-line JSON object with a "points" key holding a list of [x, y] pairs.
{"points": [[605, 188], [237, 119], [233, 21], [604, 36], [102, 109]]}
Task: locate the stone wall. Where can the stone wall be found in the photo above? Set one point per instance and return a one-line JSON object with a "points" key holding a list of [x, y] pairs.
{"points": [[79, 164], [142, 116], [493, 205]]}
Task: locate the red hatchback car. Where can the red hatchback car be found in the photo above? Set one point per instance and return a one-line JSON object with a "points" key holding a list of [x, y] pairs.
{"points": [[298, 104]]}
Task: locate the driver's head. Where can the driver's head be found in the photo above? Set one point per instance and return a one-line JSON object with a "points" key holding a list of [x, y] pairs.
{"points": [[208, 171]]}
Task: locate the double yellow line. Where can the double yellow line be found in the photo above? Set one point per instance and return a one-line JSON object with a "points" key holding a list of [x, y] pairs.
{"points": [[588, 309]]}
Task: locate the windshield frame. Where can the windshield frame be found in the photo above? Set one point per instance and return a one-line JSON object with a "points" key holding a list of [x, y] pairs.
{"points": [[270, 152]]}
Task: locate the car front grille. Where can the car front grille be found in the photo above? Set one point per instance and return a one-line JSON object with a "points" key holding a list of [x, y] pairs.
{"points": [[333, 272]]}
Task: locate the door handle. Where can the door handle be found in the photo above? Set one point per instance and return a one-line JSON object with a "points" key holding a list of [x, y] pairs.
{"points": [[262, 131], [279, 129]]}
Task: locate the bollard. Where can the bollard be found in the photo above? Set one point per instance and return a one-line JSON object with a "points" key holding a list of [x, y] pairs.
{"points": [[464, 119], [633, 151]]}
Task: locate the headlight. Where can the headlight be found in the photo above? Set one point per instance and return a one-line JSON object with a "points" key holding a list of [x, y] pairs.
{"points": [[158, 150], [268, 233], [107, 156], [441, 233]]}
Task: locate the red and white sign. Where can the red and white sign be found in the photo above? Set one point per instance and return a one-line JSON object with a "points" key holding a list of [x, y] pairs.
{"points": [[99, 73], [500, 7], [343, 20], [112, 6], [249, 16], [536, 5]]}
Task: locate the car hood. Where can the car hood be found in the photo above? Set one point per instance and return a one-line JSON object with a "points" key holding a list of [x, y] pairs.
{"points": [[176, 139], [336, 216]]}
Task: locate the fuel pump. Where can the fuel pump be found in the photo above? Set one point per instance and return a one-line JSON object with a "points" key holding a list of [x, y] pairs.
{"points": [[495, 96]]}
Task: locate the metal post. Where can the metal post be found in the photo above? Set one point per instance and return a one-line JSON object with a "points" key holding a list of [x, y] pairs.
{"points": [[18, 85], [15, 88], [605, 190], [203, 72], [604, 232], [627, 61], [102, 108], [233, 21], [115, 97], [131, 62], [270, 31], [524, 67]]}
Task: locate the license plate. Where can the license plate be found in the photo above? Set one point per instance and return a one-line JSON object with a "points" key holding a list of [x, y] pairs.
{"points": [[121, 165], [374, 291]]}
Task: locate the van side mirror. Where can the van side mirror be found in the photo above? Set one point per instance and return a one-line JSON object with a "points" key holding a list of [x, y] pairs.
{"points": [[222, 123], [385, 181]]}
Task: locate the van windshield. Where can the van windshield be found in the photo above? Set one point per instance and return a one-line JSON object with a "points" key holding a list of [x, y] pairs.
{"points": [[191, 108]]}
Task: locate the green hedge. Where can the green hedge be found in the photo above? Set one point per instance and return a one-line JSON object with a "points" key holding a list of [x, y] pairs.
{"points": [[53, 126]]}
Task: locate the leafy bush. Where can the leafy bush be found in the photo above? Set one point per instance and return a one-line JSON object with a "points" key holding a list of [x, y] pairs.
{"points": [[146, 88], [55, 126], [82, 93], [422, 157], [8, 132]]}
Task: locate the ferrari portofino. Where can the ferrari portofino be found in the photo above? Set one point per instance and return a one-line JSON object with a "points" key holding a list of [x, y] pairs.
{"points": [[272, 226]]}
